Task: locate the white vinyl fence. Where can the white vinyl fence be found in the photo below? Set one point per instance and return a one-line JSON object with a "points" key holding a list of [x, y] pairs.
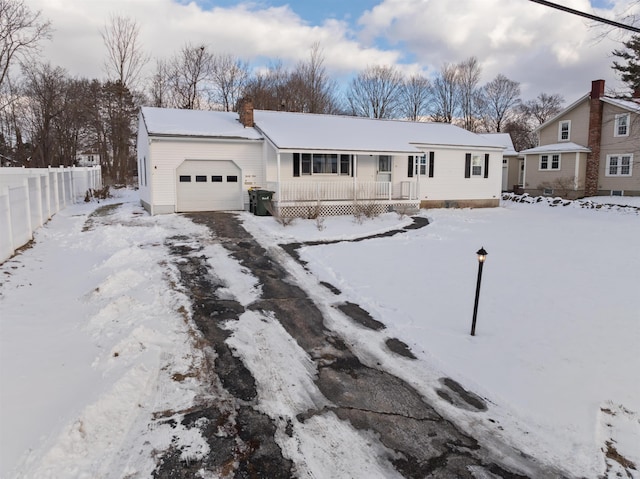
{"points": [[29, 197]]}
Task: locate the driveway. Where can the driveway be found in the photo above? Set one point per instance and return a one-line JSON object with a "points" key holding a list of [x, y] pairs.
{"points": [[409, 435]]}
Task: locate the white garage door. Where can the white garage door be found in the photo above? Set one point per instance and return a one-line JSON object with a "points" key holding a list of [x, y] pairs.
{"points": [[209, 186]]}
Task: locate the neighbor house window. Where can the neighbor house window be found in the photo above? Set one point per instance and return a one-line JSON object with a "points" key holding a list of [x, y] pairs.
{"points": [[550, 162], [621, 127], [619, 165], [564, 130]]}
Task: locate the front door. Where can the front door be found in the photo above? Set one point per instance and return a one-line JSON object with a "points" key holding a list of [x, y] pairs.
{"points": [[384, 168]]}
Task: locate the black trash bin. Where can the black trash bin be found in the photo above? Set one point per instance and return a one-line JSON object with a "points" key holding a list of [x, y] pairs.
{"points": [[263, 202], [253, 200]]}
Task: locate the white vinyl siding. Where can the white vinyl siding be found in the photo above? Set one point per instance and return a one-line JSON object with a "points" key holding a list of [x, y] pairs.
{"points": [[169, 154], [450, 183]]}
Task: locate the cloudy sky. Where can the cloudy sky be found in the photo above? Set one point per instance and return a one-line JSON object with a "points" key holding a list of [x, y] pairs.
{"points": [[546, 50]]}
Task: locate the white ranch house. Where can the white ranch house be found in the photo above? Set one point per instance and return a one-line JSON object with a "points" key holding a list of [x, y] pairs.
{"points": [[192, 160]]}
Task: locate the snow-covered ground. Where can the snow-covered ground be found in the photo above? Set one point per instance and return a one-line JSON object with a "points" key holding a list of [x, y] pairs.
{"points": [[93, 332]]}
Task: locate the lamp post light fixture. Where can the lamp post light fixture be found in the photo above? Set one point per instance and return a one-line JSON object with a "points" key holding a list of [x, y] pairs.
{"points": [[482, 256]]}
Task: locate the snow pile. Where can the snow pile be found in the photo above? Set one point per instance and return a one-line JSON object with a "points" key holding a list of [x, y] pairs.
{"points": [[91, 335]]}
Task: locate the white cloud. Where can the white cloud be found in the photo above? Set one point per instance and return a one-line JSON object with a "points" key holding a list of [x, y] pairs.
{"points": [[544, 49], [247, 31]]}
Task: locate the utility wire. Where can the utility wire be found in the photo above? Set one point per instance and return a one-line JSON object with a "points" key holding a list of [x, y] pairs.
{"points": [[587, 15]]}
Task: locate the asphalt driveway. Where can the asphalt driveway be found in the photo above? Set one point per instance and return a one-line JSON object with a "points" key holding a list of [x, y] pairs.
{"points": [[424, 443]]}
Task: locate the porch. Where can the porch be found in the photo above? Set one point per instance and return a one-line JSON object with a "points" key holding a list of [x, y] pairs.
{"points": [[330, 198]]}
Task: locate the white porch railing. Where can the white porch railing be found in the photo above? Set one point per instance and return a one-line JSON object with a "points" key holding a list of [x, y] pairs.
{"points": [[291, 191]]}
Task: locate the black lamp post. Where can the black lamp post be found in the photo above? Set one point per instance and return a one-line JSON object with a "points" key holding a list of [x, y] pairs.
{"points": [[482, 255]]}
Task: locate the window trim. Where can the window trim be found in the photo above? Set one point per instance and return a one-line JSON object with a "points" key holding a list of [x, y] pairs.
{"points": [[418, 166], [560, 124], [476, 165], [616, 124], [619, 174], [549, 161], [308, 164]]}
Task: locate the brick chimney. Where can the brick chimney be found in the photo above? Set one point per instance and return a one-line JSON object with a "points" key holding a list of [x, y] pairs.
{"points": [[594, 139], [245, 112], [636, 93]]}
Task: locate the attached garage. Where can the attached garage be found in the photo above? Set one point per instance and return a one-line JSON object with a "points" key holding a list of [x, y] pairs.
{"points": [[209, 185], [192, 160]]}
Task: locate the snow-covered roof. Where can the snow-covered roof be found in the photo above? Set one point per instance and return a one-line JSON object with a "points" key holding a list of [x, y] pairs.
{"points": [[632, 105], [198, 123], [568, 147], [348, 133], [503, 139]]}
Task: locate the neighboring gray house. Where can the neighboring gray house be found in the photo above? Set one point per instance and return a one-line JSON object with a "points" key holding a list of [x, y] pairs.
{"points": [[590, 148], [192, 160]]}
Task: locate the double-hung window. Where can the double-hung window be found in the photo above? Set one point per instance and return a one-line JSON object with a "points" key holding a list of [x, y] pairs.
{"points": [[550, 162], [418, 165], [619, 165], [476, 166], [564, 130], [621, 125]]}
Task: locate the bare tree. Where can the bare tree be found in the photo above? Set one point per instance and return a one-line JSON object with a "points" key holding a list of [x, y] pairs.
{"points": [[445, 94], [44, 92], [416, 95], [21, 32], [315, 88], [522, 134], [125, 57], [501, 96], [470, 94], [189, 76], [159, 89], [229, 76], [543, 107], [269, 88], [376, 92]]}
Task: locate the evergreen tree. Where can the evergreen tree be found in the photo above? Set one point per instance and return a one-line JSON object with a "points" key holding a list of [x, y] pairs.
{"points": [[629, 69]]}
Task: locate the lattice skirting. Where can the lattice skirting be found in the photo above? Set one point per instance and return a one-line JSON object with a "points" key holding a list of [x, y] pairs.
{"points": [[314, 210]]}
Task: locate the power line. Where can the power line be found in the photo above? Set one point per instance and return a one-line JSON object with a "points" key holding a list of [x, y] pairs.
{"points": [[588, 15]]}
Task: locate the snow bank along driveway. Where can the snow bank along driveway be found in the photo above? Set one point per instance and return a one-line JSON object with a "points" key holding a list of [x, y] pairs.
{"points": [[101, 367]]}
